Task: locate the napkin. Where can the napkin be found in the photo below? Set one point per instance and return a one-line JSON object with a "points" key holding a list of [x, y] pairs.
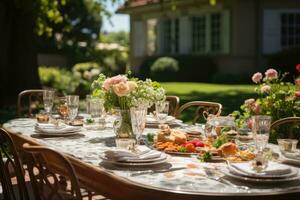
{"points": [[122, 155], [273, 169], [55, 129]]}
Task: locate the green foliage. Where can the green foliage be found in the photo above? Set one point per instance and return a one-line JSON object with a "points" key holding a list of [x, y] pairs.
{"points": [[222, 139], [120, 37], [60, 79], [205, 157], [164, 69]]}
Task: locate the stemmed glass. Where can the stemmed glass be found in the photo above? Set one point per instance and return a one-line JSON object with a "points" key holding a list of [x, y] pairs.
{"points": [[261, 130], [161, 111], [73, 104], [48, 98], [138, 121]]}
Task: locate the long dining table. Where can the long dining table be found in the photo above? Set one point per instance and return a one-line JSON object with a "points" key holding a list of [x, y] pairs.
{"points": [[84, 151]]}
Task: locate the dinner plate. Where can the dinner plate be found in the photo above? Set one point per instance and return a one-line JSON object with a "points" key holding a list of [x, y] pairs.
{"points": [[261, 180], [163, 156], [133, 164], [294, 172], [58, 134]]}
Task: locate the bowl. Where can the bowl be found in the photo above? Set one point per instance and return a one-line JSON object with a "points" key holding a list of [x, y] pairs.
{"points": [[287, 145]]}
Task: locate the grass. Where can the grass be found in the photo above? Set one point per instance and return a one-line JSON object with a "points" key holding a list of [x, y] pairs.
{"points": [[230, 96]]}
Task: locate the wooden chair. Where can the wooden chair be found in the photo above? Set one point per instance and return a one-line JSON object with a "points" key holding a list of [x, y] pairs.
{"points": [[10, 167], [35, 96], [173, 105], [51, 174], [286, 121], [203, 109]]}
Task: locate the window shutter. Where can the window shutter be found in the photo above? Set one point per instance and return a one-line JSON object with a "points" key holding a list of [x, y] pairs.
{"points": [[225, 32], [271, 31], [185, 32], [160, 37], [140, 38]]}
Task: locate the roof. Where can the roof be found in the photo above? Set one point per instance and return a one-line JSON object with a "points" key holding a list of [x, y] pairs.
{"points": [[129, 4]]}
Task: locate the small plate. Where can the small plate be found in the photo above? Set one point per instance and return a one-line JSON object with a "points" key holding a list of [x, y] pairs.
{"points": [[58, 134]]}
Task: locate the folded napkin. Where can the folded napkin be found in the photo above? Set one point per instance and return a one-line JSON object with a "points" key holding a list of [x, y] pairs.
{"points": [[273, 169], [122, 155], [55, 129]]}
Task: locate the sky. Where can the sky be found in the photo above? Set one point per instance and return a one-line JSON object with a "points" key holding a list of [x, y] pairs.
{"points": [[119, 22]]}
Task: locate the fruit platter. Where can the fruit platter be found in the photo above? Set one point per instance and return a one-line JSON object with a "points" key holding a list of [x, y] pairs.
{"points": [[177, 142]]}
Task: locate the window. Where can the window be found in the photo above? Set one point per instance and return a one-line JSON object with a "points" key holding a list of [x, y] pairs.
{"points": [[171, 36], [198, 34], [207, 33], [290, 30], [215, 32]]}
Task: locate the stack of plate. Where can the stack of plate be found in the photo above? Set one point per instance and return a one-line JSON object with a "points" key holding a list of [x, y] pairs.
{"points": [[170, 120], [56, 130], [126, 158], [275, 172]]}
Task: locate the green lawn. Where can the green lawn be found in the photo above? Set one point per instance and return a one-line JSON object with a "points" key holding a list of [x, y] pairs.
{"points": [[230, 96]]}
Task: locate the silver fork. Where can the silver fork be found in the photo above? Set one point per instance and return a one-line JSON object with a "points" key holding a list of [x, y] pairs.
{"points": [[213, 176]]}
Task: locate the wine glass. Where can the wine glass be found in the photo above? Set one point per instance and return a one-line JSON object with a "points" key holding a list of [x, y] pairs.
{"points": [[161, 111], [73, 104], [138, 121], [261, 130], [88, 105], [48, 98]]}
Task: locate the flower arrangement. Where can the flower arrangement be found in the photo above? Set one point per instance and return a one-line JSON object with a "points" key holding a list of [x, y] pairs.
{"points": [[123, 92], [276, 98]]}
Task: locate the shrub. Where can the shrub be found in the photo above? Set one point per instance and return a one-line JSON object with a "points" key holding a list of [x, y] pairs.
{"points": [[60, 79], [285, 61], [192, 68], [87, 72], [164, 69]]}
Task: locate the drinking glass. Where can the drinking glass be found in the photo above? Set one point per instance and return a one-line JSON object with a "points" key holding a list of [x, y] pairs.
{"points": [[48, 98], [161, 111], [138, 121], [261, 130], [63, 108], [73, 104], [88, 104], [97, 111]]}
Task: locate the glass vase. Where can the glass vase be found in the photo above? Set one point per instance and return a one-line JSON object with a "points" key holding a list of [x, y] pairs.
{"points": [[125, 137]]}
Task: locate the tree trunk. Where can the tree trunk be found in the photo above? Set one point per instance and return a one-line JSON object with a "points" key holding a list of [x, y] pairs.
{"points": [[18, 56]]}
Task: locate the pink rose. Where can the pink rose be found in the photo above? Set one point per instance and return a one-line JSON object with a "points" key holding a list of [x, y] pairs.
{"points": [[271, 74], [113, 80], [132, 85], [249, 102], [297, 94], [257, 77], [249, 123], [121, 89], [256, 108], [297, 81], [265, 89]]}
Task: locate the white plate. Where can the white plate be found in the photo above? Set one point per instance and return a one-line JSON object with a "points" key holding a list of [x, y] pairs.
{"points": [[163, 156], [151, 119], [134, 164], [58, 134], [294, 172], [261, 180]]}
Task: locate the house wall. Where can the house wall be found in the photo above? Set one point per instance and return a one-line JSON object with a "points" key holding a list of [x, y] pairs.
{"points": [[246, 31]]}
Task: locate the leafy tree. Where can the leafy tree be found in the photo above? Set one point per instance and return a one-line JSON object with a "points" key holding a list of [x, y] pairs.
{"points": [[120, 37]]}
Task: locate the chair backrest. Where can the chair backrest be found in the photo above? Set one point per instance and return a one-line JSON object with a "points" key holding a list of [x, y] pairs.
{"points": [[203, 109], [49, 172], [34, 96], [10, 167], [288, 130], [173, 104]]}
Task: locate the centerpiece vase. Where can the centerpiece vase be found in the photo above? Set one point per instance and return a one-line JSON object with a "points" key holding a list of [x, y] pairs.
{"points": [[125, 137]]}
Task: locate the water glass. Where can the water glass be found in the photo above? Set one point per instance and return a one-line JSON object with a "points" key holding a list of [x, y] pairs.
{"points": [[73, 104], [162, 111], [138, 121], [63, 108], [88, 102], [48, 98], [261, 130]]}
